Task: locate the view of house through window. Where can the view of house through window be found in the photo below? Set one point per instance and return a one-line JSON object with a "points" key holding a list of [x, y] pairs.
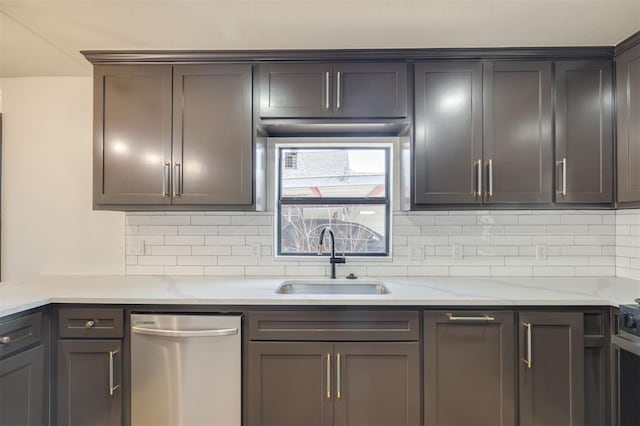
{"points": [[344, 188]]}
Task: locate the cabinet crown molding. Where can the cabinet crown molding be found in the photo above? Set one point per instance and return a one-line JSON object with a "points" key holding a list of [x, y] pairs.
{"points": [[196, 56]]}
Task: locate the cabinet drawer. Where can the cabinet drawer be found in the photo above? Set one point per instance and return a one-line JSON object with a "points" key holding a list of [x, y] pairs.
{"points": [[90, 323], [20, 332], [334, 325]]}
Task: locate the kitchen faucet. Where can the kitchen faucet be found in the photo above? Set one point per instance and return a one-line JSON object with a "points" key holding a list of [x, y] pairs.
{"points": [[333, 259]]}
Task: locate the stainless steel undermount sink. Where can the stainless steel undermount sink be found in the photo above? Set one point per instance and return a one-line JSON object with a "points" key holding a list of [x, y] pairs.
{"points": [[338, 287]]}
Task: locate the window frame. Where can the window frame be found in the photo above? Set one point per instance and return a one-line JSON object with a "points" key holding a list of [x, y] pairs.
{"points": [[385, 200]]}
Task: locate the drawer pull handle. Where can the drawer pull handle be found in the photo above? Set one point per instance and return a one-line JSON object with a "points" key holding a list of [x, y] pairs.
{"points": [[527, 361], [328, 376], [339, 385], [478, 166], [563, 191], [482, 318], [490, 186], [5, 340], [112, 388], [90, 323]]}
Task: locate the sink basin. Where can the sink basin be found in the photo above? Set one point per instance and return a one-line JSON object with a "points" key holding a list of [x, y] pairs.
{"points": [[344, 287]]}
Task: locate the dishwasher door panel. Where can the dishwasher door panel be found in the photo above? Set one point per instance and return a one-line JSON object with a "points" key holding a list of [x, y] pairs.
{"points": [[186, 370]]}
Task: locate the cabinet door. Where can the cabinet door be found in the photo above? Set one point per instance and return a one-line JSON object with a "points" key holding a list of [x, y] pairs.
{"points": [[22, 387], [518, 152], [551, 369], [89, 375], [377, 384], [212, 146], [132, 134], [448, 157], [462, 348], [584, 132], [295, 90], [628, 118], [370, 90], [290, 384]]}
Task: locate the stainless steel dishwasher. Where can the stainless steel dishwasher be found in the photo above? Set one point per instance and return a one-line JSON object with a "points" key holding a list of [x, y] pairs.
{"points": [[185, 370]]}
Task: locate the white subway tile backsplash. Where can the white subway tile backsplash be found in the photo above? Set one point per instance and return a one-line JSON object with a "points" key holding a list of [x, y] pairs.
{"points": [[157, 230], [184, 240], [170, 220], [144, 270], [469, 271], [211, 220], [156, 260], [462, 219], [553, 271], [498, 243], [511, 271], [428, 271], [225, 240], [627, 247], [184, 270], [198, 230], [197, 260], [224, 270], [169, 250]]}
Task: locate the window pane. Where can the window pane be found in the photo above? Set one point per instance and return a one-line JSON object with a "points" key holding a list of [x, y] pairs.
{"points": [[333, 172], [359, 229]]}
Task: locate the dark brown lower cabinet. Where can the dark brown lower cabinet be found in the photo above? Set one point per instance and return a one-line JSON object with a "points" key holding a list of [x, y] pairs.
{"points": [[289, 384], [324, 384], [88, 382], [377, 384], [22, 388], [551, 371], [469, 376]]}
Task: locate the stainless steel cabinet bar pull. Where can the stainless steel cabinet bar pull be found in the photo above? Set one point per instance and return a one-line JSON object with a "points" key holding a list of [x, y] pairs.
{"points": [[527, 360], [89, 323], [338, 384], [177, 180], [338, 90], [166, 179], [185, 333], [490, 189], [563, 163], [482, 318], [326, 90], [328, 376], [5, 340], [112, 388], [478, 166]]}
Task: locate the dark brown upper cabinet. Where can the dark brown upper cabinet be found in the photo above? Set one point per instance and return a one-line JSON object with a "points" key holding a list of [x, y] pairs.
{"points": [[584, 132], [132, 134], [448, 133], [212, 128], [628, 124], [551, 373], [518, 150], [345, 90], [178, 135], [464, 348]]}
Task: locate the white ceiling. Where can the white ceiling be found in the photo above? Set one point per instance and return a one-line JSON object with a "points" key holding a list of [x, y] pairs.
{"points": [[42, 38]]}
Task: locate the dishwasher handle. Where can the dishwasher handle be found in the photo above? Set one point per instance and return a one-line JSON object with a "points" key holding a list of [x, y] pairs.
{"points": [[185, 333]]}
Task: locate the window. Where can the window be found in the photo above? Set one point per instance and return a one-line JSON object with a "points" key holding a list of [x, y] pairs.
{"points": [[345, 188]]}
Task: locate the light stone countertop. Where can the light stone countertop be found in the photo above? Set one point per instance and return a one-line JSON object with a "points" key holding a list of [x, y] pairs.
{"points": [[18, 296]]}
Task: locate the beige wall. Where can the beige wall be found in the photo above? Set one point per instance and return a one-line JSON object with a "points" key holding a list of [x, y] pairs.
{"points": [[48, 225]]}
